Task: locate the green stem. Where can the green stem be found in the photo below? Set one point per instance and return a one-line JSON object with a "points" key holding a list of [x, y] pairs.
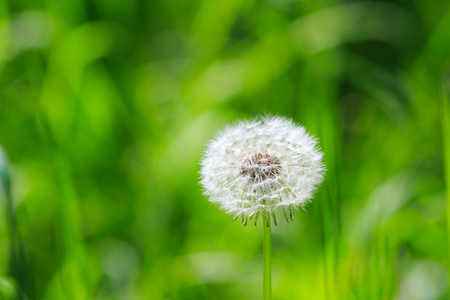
{"points": [[267, 270], [445, 121]]}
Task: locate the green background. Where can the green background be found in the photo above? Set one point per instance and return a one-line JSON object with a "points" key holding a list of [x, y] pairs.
{"points": [[105, 108]]}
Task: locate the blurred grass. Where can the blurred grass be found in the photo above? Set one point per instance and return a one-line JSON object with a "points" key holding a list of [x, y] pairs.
{"points": [[105, 107], [445, 120], [7, 288]]}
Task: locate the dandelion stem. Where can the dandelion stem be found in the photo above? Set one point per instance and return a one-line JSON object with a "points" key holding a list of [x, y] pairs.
{"points": [[267, 270]]}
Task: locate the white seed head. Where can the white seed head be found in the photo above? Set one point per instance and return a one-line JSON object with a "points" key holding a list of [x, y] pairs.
{"points": [[260, 166]]}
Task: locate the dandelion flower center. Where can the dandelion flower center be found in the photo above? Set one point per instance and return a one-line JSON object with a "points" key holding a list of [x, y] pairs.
{"points": [[260, 167]]}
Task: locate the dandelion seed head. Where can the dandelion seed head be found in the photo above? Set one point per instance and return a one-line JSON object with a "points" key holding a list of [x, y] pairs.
{"points": [[261, 166]]}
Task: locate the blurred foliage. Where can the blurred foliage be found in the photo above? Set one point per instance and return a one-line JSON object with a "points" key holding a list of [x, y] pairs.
{"points": [[105, 107]]}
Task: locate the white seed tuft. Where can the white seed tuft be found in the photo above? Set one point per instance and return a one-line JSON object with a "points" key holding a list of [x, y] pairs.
{"points": [[261, 166]]}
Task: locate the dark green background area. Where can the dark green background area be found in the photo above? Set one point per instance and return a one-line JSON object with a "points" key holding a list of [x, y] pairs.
{"points": [[105, 108]]}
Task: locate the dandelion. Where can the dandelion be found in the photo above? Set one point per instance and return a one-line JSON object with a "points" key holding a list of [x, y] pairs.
{"points": [[256, 168], [259, 167]]}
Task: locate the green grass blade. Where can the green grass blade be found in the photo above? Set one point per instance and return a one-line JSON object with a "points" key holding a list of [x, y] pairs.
{"points": [[445, 121], [17, 267]]}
